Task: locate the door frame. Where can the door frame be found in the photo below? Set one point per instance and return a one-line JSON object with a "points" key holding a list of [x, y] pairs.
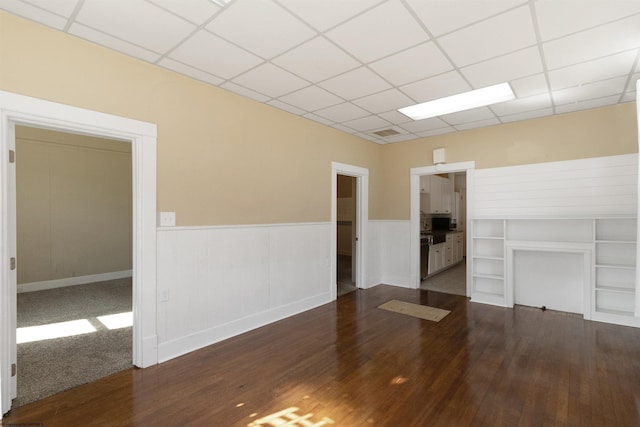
{"points": [[414, 232], [18, 109], [362, 218]]}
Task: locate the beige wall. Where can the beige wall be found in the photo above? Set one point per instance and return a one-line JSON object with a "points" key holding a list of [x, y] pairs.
{"points": [[73, 205], [591, 133], [224, 159]]}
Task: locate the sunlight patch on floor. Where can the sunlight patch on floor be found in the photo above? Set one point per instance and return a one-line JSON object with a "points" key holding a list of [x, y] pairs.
{"points": [[117, 321], [53, 330]]}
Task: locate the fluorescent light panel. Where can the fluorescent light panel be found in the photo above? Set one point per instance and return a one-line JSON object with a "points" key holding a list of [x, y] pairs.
{"points": [[460, 102]]}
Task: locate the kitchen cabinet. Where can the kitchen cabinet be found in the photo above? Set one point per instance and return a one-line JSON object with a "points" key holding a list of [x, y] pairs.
{"points": [[436, 257], [436, 194]]}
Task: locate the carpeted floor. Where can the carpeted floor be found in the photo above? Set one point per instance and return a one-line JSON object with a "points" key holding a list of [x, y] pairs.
{"points": [[50, 366], [450, 281]]}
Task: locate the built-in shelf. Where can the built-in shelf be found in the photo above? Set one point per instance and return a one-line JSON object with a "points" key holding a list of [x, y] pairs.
{"points": [[615, 267], [612, 265]]}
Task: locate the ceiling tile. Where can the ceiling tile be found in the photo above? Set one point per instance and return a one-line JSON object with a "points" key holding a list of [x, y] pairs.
{"points": [[441, 17], [214, 55], [502, 34], [324, 14], [434, 132], [529, 86], [504, 68], [372, 138], [230, 86], [521, 105], [261, 26], [367, 123], [112, 43], [159, 31], [399, 138], [181, 68], [316, 60], [447, 84], [590, 91], [478, 124], [318, 119], [605, 40], [528, 115], [196, 11], [355, 83], [60, 7], [467, 116], [311, 98], [413, 64], [286, 107], [560, 18], [342, 112], [584, 105], [384, 101], [630, 96], [395, 117], [424, 125], [37, 14], [270, 80], [599, 69], [379, 32]]}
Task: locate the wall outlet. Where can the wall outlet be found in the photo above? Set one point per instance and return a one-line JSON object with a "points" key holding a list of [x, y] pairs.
{"points": [[167, 219]]}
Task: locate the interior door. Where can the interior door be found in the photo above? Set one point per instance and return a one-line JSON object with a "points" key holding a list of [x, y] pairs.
{"points": [[13, 269]]}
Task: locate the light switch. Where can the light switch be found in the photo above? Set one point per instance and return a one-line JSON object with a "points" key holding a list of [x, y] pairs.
{"points": [[167, 219]]}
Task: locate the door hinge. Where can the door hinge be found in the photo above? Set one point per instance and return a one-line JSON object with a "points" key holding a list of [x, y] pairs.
{"points": [[12, 263], [12, 156], [14, 369]]}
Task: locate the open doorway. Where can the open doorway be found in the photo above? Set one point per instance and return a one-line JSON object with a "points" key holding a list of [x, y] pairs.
{"points": [[442, 228], [20, 110], [465, 172], [346, 234], [74, 243]]}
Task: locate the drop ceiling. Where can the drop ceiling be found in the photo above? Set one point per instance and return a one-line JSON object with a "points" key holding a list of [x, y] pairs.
{"points": [[350, 64]]}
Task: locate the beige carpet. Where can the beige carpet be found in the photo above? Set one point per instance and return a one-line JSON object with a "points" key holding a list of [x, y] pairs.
{"points": [[416, 310]]}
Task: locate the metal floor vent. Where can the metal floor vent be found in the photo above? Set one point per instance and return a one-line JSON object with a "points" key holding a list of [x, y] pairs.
{"points": [[386, 132]]}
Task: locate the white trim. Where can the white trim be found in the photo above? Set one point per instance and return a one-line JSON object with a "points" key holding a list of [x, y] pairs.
{"points": [[362, 218], [414, 252], [584, 249], [235, 227], [177, 347], [637, 312], [24, 110], [72, 281]]}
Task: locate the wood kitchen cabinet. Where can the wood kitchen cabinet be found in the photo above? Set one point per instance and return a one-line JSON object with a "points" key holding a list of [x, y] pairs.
{"points": [[436, 194], [437, 257]]}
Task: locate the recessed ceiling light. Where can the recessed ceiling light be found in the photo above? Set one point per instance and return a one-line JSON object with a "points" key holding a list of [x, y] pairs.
{"points": [[460, 102]]}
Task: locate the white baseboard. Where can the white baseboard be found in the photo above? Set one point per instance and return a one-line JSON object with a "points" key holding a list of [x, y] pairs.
{"points": [[197, 340], [71, 281]]}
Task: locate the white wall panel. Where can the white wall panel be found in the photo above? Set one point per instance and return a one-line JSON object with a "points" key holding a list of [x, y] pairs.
{"points": [[395, 252], [373, 275], [587, 187], [216, 282]]}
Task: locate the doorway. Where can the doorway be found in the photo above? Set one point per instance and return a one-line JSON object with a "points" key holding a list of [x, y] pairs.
{"points": [[346, 234], [74, 242], [27, 111], [468, 168], [357, 180]]}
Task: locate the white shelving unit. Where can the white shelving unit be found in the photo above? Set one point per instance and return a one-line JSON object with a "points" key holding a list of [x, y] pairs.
{"points": [[615, 268], [608, 243], [488, 261]]}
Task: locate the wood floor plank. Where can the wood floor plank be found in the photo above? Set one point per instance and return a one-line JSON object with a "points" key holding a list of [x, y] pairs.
{"points": [[356, 365]]}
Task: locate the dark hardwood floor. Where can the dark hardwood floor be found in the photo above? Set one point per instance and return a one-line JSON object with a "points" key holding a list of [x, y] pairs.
{"points": [[355, 365]]}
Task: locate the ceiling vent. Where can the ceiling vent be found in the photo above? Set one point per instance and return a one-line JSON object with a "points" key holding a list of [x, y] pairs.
{"points": [[387, 132]]}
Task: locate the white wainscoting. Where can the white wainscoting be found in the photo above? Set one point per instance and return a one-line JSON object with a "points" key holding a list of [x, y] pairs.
{"points": [[394, 248], [217, 282], [592, 187]]}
